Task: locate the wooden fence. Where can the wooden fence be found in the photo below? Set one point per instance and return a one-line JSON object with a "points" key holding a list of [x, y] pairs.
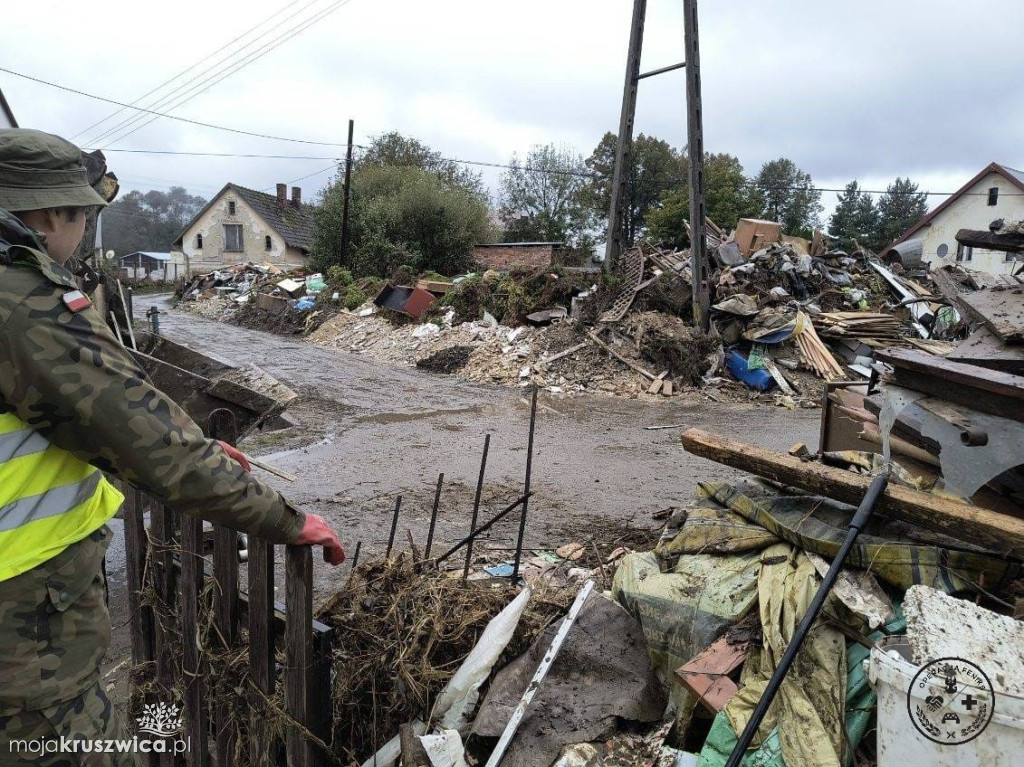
{"points": [[172, 549]]}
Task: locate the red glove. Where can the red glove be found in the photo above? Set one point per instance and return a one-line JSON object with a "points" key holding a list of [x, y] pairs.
{"points": [[235, 453], [316, 532]]}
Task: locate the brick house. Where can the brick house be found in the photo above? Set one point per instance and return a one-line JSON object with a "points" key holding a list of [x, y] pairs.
{"points": [[241, 224], [503, 256]]}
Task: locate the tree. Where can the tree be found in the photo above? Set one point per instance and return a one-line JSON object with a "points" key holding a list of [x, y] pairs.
{"points": [[654, 167], [400, 215], [789, 197], [728, 197], [395, 150], [545, 198], [855, 218], [148, 220], [900, 206]]}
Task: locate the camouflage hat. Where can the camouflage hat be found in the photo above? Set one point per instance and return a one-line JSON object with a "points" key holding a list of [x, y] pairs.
{"points": [[39, 170]]}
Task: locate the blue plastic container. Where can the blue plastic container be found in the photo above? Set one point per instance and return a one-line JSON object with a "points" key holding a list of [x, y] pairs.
{"points": [[736, 364]]}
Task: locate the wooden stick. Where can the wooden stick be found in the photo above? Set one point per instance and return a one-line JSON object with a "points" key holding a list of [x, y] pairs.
{"points": [[645, 373], [998, 532], [267, 467], [566, 353]]}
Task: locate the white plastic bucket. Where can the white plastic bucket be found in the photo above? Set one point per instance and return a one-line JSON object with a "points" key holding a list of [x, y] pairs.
{"points": [[901, 744]]}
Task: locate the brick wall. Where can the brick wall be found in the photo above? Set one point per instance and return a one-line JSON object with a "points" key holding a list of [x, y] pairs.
{"points": [[502, 258]]}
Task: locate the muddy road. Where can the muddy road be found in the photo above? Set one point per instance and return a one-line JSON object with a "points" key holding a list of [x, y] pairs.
{"points": [[369, 432]]}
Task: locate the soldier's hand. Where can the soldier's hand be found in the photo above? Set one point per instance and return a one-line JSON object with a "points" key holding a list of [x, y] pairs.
{"points": [[316, 532], [236, 454]]}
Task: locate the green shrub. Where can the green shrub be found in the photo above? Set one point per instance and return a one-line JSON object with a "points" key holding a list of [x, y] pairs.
{"points": [[339, 277], [354, 298]]}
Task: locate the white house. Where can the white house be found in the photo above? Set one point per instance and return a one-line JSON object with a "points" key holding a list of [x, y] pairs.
{"points": [[241, 224], [6, 115], [996, 192]]}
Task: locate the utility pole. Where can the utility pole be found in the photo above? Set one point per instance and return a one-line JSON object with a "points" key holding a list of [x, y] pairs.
{"points": [[348, 189], [695, 144], [620, 175]]}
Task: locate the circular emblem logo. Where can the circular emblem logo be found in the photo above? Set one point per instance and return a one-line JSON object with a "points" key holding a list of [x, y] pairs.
{"points": [[950, 701]]}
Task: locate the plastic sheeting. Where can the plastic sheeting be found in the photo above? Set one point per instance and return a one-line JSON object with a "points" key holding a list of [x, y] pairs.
{"points": [[819, 524], [860, 708]]}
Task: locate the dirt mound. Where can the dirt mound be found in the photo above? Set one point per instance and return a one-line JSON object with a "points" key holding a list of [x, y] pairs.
{"points": [[447, 360]]}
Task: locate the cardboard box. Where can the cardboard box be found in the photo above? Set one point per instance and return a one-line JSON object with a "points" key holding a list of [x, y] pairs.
{"points": [[752, 234]]}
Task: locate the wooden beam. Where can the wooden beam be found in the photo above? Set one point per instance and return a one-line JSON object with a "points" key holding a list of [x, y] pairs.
{"points": [[998, 532], [989, 391], [1005, 243]]}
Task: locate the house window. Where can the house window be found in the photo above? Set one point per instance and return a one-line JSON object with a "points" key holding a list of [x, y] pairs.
{"points": [[233, 237], [942, 251], [269, 244], [964, 253], [993, 195], [199, 241], [1009, 257], [231, 207]]}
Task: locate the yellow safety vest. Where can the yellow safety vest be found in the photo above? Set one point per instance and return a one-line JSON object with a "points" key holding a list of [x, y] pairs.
{"points": [[49, 499]]}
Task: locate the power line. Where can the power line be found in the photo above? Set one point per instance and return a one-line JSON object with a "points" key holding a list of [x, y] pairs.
{"points": [[112, 136], [226, 154], [183, 72], [169, 116]]}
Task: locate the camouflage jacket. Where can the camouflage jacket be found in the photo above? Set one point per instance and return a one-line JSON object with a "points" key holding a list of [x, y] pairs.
{"points": [[65, 374]]}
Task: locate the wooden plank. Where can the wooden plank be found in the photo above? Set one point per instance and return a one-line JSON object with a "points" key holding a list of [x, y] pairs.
{"points": [[1002, 311], [998, 532], [136, 550], [629, 363], [985, 349], [1004, 243], [298, 640], [261, 645], [990, 391], [165, 578], [191, 659], [225, 611]]}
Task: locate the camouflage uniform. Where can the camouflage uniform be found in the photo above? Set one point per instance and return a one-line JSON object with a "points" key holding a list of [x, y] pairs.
{"points": [[66, 375]]}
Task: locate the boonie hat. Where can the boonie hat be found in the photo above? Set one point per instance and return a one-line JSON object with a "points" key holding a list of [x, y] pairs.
{"points": [[39, 170]]}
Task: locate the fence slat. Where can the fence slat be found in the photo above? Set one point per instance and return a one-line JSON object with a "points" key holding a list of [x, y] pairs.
{"points": [[225, 610], [261, 645], [298, 639], [161, 530], [136, 549], [195, 689]]}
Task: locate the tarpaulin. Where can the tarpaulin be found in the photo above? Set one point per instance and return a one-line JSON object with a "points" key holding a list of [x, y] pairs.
{"points": [[819, 524]]}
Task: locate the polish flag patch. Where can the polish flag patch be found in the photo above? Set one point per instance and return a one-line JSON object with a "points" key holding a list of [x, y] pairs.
{"points": [[76, 301]]}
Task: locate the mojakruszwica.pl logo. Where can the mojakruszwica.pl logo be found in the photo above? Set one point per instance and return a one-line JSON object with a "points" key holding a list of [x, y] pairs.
{"points": [[950, 701]]}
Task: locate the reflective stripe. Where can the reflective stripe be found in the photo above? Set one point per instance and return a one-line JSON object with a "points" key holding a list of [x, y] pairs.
{"points": [[15, 444], [53, 502]]}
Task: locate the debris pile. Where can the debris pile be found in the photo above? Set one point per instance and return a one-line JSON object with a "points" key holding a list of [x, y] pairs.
{"points": [[786, 313]]}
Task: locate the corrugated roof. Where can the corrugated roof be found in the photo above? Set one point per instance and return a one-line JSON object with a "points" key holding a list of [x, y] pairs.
{"points": [[151, 254], [1018, 174]]}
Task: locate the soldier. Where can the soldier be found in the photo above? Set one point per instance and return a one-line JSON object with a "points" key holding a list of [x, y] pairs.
{"points": [[75, 404]]}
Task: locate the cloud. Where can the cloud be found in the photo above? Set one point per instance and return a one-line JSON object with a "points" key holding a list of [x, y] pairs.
{"points": [[868, 91]]}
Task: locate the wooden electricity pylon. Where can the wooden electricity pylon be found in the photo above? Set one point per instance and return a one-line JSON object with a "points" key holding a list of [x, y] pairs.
{"points": [[695, 145]]}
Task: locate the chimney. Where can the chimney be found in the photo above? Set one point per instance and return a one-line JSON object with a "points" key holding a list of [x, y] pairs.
{"points": [[296, 196], [282, 194]]}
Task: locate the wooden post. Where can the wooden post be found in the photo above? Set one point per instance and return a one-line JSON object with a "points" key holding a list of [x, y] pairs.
{"points": [[695, 145], [298, 651], [193, 676], [225, 608], [136, 550], [261, 645], [999, 532], [161, 530], [623, 149], [348, 189]]}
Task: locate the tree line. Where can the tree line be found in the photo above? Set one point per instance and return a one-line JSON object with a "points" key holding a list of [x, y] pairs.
{"points": [[410, 206]]}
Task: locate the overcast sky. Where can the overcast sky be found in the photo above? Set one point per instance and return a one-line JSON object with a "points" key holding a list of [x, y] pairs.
{"points": [[869, 90]]}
